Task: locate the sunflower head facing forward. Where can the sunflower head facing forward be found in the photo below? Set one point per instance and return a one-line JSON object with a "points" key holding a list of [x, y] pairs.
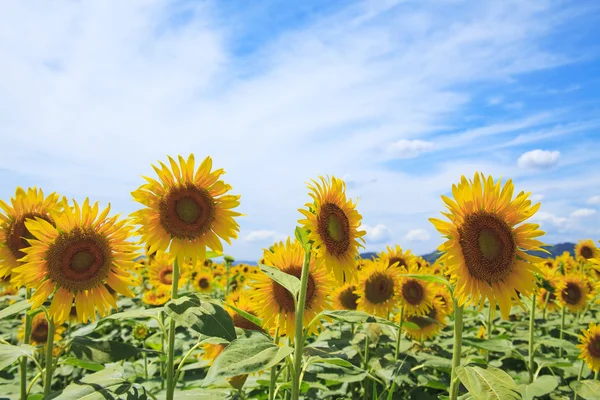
{"points": [[160, 272], [187, 210], [14, 235], [345, 297], [590, 347], [333, 225], [394, 256], [378, 288], [586, 250], [573, 291], [487, 242], [80, 257], [274, 303]]}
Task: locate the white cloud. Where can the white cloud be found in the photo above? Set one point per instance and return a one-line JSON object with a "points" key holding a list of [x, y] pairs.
{"points": [[583, 212], [264, 236], [377, 234], [404, 148], [536, 198], [594, 200], [543, 216], [417, 235], [539, 159]]}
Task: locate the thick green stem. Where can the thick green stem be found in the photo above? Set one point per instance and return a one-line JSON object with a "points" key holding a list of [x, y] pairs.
{"points": [[562, 328], [596, 375], [365, 367], [170, 360], [489, 329], [26, 340], [399, 337], [273, 377], [531, 340], [299, 337], [579, 375], [49, 348], [456, 351]]}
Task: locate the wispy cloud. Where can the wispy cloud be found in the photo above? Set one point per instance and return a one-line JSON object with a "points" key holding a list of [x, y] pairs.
{"points": [[583, 212], [418, 235], [539, 159]]}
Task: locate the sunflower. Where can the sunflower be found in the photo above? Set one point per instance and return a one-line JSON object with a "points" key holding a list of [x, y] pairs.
{"points": [[333, 225], [378, 288], [590, 347], [218, 270], [39, 331], [586, 250], [486, 252], [416, 295], [573, 292], [242, 301], [429, 325], [160, 272], [395, 256], [212, 351], [345, 298], [275, 305], [565, 263], [156, 297], [481, 332], [77, 259], [547, 293], [203, 282], [13, 232], [140, 331], [186, 211], [421, 263]]}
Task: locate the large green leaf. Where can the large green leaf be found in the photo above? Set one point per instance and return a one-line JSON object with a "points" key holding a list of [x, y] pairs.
{"points": [[9, 353], [103, 351], [290, 282], [135, 314], [588, 389], [15, 309], [201, 394], [204, 317], [92, 366], [499, 345], [302, 236], [543, 385], [353, 316], [246, 356], [488, 384], [102, 385]]}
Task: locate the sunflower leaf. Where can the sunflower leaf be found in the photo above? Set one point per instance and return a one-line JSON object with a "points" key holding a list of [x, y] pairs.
{"points": [[9, 353], [499, 345], [134, 314], [290, 282], [429, 278], [245, 356], [490, 383], [15, 309], [588, 389], [103, 351], [543, 385], [255, 320], [302, 236], [212, 254], [204, 317]]}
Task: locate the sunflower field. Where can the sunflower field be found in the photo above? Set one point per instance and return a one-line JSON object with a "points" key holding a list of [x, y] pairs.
{"points": [[100, 306]]}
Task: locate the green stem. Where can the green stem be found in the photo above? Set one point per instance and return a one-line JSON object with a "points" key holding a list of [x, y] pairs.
{"points": [[49, 348], [365, 367], [170, 360], [579, 376], [546, 304], [227, 267], [26, 340], [399, 338], [162, 349], [562, 328], [531, 341], [299, 337], [456, 351], [273, 377], [596, 375], [183, 360], [489, 329], [145, 364]]}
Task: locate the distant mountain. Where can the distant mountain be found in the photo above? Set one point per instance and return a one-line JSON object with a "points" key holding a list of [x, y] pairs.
{"points": [[555, 250]]}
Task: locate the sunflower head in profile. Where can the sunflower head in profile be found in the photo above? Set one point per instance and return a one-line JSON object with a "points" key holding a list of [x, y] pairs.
{"points": [[443, 295], [573, 292], [186, 210], [486, 251], [415, 295], [156, 297], [428, 325], [378, 288], [241, 300], [274, 304], [80, 257], [547, 293], [14, 235], [39, 331], [590, 347], [218, 270], [333, 225], [422, 264], [586, 250], [345, 297], [394, 256], [204, 282], [160, 272], [565, 263]]}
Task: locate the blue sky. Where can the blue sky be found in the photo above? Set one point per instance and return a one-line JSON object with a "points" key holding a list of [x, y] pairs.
{"points": [[399, 98]]}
